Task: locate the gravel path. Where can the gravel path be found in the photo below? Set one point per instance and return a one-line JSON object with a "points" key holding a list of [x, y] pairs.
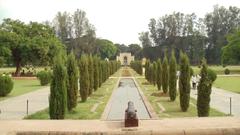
{"points": [[16, 107]]}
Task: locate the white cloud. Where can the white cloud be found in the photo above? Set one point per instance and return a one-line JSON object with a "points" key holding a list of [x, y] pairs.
{"points": [[116, 20]]}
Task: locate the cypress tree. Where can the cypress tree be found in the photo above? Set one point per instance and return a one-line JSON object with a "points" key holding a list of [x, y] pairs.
{"points": [[58, 90], [154, 73], [96, 72], [100, 73], [72, 87], [150, 74], [172, 77], [159, 74], [165, 75], [146, 69], [204, 92], [84, 78], [184, 82], [90, 72]]}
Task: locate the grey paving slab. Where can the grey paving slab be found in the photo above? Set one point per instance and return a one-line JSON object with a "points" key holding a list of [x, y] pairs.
{"points": [[127, 91], [220, 100], [15, 108]]}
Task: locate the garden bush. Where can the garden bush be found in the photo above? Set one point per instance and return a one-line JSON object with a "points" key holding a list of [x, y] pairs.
{"points": [[6, 85], [44, 77], [212, 75], [227, 71]]}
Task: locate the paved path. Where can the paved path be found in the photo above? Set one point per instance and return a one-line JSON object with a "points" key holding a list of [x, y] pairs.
{"points": [[176, 126], [127, 91], [15, 108], [220, 100]]}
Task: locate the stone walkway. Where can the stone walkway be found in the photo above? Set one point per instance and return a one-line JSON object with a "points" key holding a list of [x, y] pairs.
{"points": [[220, 100], [16, 107], [127, 91]]}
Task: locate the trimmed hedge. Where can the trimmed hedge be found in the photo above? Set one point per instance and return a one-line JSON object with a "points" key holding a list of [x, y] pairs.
{"points": [[6, 85], [44, 77]]}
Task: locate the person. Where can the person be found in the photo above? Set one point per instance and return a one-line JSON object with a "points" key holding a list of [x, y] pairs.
{"points": [[194, 82]]}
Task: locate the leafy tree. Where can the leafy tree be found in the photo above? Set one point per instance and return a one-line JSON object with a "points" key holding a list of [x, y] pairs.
{"points": [[72, 87], [184, 82], [134, 49], [159, 74], [34, 43], [165, 76], [90, 71], [96, 72], [172, 77], [6, 85], [231, 52], [84, 78], [151, 73], [106, 48], [58, 91], [145, 39]]}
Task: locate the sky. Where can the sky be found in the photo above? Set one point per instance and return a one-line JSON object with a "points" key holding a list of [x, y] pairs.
{"points": [[120, 21]]}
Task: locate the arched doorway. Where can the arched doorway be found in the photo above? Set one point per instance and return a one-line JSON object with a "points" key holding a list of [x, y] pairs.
{"points": [[125, 61]]}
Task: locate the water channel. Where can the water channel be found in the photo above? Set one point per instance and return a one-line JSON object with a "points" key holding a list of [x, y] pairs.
{"points": [[127, 91]]}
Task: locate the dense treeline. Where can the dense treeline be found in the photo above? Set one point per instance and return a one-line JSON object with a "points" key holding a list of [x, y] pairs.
{"points": [[198, 37], [137, 66], [88, 72]]}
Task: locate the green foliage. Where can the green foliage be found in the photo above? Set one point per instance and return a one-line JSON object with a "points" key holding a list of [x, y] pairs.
{"points": [[191, 72], [44, 77], [154, 73], [184, 82], [147, 64], [96, 72], [159, 74], [137, 66], [150, 73], [100, 72], [90, 71], [212, 75], [172, 77], [32, 43], [226, 71], [204, 92], [72, 87], [1, 61], [165, 76], [6, 85], [84, 78], [107, 48], [58, 90]]}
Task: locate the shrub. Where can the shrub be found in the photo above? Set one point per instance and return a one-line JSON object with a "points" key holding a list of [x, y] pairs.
{"points": [[227, 71], [212, 75], [1, 61], [44, 77], [96, 72], [191, 72], [6, 85]]}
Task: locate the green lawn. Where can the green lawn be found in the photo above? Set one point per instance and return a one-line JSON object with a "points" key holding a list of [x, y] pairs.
{"points": [[219, 69], [23, 86], [83, 110], [172, 109], [230, 83]]}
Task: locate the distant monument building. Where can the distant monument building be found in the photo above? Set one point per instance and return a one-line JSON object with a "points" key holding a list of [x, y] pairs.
{"points": [[125, 58]]}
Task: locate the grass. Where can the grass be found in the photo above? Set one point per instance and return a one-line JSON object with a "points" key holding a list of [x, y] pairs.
{"points": [[219, 69], [172, 109], [83, 109], [22, 87], [230, 83]]}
